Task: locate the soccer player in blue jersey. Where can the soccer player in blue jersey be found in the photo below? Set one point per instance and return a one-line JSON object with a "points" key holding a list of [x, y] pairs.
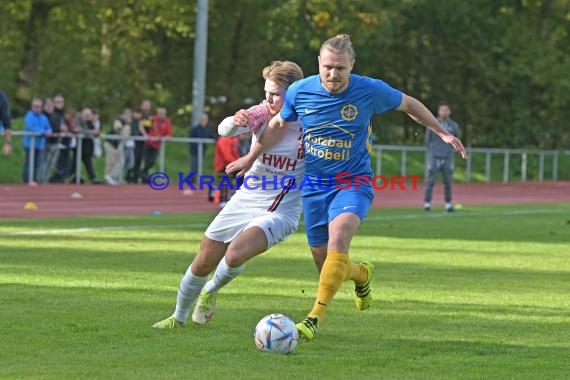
{"points": [[335, 109]]}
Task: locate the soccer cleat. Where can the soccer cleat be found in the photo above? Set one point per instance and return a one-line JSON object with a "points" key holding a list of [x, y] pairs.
{"points": [[309, 327], [205, 308], [168, 324], [363, 293]]}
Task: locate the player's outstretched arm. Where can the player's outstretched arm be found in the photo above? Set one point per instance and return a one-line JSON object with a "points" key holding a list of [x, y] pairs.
{"points": [[272, 134], [417, 111], [245, 121], [229, 127]]}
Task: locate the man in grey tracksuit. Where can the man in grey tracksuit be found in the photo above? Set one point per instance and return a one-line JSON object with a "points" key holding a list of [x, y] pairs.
{"points": [[440, 157]]}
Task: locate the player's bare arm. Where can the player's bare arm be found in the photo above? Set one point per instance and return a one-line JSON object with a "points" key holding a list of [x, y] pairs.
{"points": [[421, 115]]}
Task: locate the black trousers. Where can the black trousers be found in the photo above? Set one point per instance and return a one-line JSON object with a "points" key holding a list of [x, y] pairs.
{"points": [[87, 160], [133, 174], [149, 155], [62, 166]]}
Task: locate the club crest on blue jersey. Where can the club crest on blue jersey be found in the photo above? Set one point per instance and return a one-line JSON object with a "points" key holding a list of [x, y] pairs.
{"points": [[349, 112]]}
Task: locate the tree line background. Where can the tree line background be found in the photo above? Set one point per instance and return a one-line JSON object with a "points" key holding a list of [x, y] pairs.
{"points": [[503, 65]]}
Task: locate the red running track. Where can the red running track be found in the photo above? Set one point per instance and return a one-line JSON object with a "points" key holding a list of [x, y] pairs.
{"points": [[57, 200]]}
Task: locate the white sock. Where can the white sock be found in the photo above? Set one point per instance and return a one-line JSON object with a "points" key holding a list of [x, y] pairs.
{"points": [[427, 205], [189, 289], [448, 205], [222, 276]]}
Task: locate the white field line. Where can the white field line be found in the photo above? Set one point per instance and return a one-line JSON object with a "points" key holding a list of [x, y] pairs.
{"points": [[416, 215], [63, 231], [460, 214]]}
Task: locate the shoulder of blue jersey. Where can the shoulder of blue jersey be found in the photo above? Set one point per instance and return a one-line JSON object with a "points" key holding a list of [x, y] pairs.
{"points": [[303, 82]]}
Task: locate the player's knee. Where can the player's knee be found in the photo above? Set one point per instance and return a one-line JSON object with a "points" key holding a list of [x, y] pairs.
{"points": [[234, 258], [339, 240], [234, 261]]}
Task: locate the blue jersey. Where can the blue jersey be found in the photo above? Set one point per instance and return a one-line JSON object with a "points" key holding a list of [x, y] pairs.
{"points": [[337, 127]]}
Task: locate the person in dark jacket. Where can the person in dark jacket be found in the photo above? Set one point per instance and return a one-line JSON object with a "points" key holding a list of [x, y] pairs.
{"points": [[62, 166], [133, 173], [88, 131], [6, 124], [199, 131]]}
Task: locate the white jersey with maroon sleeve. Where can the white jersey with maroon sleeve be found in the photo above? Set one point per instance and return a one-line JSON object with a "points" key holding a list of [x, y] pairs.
{"points": [[276, 175], [269, 197]]}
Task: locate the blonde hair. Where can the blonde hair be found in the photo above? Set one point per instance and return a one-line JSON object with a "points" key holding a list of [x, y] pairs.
{"points": [[339, 44], [283, 73]]}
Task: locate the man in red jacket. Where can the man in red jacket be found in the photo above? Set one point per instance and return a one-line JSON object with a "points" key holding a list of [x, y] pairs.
{"points": [[227, 151], [161, 127]]}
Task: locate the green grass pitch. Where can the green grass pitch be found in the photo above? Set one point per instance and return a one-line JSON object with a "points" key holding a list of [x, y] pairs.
{"points": [[481, 294]]}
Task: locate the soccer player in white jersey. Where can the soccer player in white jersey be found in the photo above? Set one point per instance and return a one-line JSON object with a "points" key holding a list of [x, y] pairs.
{"points": [[263, 212]]}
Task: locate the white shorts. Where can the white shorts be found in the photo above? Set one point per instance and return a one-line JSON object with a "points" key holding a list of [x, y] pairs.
{"points": [[237, 216]]}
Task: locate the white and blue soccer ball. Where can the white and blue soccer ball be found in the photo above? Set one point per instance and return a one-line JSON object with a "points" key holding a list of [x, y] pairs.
{"points": [[276, 333]]}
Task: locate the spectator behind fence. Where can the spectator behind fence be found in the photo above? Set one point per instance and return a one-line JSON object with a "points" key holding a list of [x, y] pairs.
{"points": [[5, 124], [51, 150], [127, 147], [59, 118], [227, 151], [161, 127], [146, 117], [114, 149], [97, 146], [87, 130], [199, 131], [440, 158], [133, 172], [35, 122], [244, 143]]}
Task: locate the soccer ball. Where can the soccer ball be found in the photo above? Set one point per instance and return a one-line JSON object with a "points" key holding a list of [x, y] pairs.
{"points": [[276, 333]]}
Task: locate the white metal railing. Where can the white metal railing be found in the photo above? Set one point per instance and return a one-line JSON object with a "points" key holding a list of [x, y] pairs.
{"points": [[507, 153], [81, 137], [402, 149]]}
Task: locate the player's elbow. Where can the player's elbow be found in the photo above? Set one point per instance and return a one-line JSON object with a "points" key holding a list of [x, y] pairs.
{"points": [[407, 104], [226, 127]]}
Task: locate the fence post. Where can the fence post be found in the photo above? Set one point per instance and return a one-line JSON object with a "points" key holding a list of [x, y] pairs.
{"points": [[162, 153], [541, 167], [379, 162], [506, 167], [200, 156], [523, 166], [555, 166], [32, 158], [468, 168], [488, 167], [78, 160], [426, 158], [404, 162]]}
